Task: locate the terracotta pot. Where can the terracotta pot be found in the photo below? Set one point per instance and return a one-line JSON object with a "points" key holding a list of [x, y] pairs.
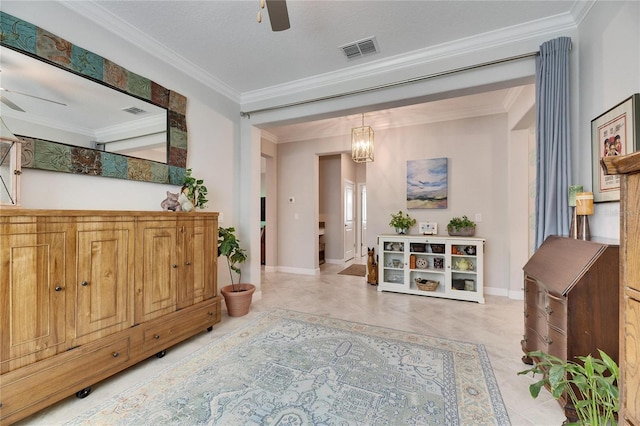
{"points": [[238, 302]]}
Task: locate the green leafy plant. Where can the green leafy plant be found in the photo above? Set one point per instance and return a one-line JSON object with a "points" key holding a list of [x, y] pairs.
{"points": [[196, 191], [401, 221], [590, 384], [460, 223], [229, 246]]}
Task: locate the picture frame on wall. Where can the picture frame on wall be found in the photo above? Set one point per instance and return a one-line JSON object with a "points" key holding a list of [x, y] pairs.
{"points": [[615, 132]]}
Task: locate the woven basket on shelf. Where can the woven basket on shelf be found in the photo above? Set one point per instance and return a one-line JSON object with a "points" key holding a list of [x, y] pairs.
{"points": [[427, 285]]}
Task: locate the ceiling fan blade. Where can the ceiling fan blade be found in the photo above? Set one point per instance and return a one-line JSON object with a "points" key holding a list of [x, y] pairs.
{"points": [[32, 96], [278, 15], [10, 104]]}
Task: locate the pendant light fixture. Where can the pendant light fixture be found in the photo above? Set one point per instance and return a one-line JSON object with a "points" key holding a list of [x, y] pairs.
{"points": [[362, 143]]}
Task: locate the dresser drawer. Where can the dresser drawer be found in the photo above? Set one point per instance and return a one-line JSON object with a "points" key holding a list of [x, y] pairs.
{"points": [[556, 343], [160, 335], [62, 372], [557, 312], [532, 341]]}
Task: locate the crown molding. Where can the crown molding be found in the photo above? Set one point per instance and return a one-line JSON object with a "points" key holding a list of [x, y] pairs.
{"points": [[92, 11], [481, 42]]}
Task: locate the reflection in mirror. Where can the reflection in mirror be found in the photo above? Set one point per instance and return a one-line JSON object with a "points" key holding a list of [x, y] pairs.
{"points": [[43, 101], [77, 153], [9, 167]]}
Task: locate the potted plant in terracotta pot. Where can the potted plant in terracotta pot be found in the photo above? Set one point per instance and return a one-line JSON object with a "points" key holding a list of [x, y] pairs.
{"points": [[237, 296]]}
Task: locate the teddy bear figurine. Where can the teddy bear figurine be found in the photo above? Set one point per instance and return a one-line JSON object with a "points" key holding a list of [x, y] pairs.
{"points": [[171, 203]]}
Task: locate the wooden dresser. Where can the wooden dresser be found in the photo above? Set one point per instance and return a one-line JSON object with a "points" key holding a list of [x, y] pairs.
{"points": [[571, 301], [86, 294], [628, 166]]}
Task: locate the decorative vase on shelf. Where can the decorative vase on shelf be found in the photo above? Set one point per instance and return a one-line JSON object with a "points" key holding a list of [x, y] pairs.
{"points": [[401, 231]]}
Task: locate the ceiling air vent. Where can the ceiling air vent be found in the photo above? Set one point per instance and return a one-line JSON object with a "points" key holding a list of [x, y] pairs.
{"points": [[360, 48], [134, 110]]}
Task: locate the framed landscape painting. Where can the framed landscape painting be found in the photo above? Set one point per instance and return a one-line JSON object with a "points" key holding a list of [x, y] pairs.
{"points": [[427, 183], [613, 133]]}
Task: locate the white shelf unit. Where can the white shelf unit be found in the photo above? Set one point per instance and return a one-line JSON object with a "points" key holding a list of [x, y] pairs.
{"points": [[456, 263]]}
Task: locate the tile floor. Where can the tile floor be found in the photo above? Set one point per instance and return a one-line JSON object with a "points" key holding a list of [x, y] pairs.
{"points": [[497, 324]]}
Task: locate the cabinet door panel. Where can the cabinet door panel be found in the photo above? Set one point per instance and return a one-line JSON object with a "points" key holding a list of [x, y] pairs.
{"points": [[33, 295], [104, 278], [156, 292], [196, 278]]}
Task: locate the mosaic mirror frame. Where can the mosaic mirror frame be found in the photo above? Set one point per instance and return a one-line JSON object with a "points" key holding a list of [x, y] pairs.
{"points": [[38, 43]]}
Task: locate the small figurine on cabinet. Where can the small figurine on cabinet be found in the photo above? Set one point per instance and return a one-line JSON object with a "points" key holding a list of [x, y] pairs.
{"points": [[171, 203], [372, 266], [183, 199]]}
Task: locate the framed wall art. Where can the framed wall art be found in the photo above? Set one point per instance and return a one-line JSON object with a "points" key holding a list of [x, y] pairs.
{"points": [[427, 183], [615, 132]]}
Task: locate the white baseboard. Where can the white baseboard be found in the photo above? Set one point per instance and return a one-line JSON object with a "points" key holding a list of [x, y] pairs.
{"points": [[335, 261], [300, 271], [516, 294], [494, 291]]}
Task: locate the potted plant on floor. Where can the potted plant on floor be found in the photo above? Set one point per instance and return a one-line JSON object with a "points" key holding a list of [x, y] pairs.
{"points": [[401, 222], [591, 384], [237, 296]]}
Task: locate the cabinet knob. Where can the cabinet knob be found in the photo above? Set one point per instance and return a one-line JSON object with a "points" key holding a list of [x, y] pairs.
{"points": [[58, 288], [210, 313], [547, 340], [175, 266], [187, 263], [548, 310], [115, 354], [84, 283], [157, 336]]}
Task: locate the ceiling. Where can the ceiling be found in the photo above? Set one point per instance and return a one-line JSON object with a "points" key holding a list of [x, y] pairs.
{"points": [[221, 42]]}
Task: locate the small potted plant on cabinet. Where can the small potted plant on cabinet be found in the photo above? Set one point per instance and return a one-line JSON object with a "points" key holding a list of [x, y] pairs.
{"points": [[194, 191], [401, 222], [237, 296], [461, 227]]}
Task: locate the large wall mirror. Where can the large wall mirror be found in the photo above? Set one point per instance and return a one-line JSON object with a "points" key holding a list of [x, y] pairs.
{"points": [[80, 113]]}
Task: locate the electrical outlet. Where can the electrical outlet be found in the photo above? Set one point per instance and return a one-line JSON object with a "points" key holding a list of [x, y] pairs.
{"points": [[220, 217], [478, 217]]}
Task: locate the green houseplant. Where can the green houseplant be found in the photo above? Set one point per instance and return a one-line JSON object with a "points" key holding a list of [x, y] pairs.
{"points": [[237, 296], [401, 222], [461, 226], [194, 189], [590, 384]]}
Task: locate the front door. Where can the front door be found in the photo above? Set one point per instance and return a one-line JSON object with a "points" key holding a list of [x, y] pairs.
{"points": [[349, 213]]}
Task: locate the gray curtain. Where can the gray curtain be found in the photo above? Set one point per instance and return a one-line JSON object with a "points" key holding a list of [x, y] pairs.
{"points": [[552, 139]]}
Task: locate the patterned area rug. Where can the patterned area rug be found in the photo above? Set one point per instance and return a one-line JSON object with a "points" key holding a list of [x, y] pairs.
{"points": [[357, 270], [291, 368]]}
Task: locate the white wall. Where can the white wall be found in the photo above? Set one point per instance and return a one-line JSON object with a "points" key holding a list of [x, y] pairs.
{"points": [[477, 149], [609, 72], [212, 122]]}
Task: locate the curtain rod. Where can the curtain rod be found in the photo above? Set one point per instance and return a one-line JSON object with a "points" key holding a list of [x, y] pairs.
{"points": [[389, 85]]}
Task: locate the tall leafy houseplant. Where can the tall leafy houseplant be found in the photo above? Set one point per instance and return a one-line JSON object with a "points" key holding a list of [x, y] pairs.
{"points": [[590, 384], [238, 296], [229, 247], [195, 190]]}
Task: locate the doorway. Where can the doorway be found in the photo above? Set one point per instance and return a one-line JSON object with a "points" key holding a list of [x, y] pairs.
{"points": [[349, 220]]}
